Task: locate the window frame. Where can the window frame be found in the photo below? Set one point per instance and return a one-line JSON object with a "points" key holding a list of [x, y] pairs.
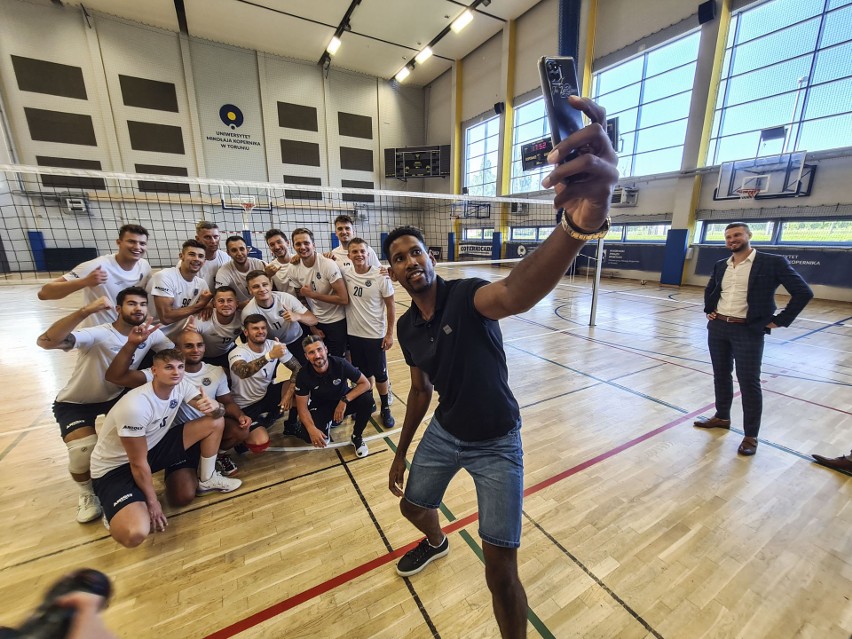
{"points": [[485, 154]]}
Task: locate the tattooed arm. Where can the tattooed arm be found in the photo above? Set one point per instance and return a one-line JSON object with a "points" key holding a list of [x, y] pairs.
{"points": [[59, 334]]}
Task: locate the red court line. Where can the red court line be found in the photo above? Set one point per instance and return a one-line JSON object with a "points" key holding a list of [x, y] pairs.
{"points": [[345, 577]]}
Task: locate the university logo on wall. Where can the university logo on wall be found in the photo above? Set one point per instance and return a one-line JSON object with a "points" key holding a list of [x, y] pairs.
{"points": [[231, 116]]}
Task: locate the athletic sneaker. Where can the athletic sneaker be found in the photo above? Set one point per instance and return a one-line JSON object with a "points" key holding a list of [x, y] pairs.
{"points": [[88, 508], [225, 465], [105, 521], [218, 483], [360, 446], [417, 559], [387, 419]]}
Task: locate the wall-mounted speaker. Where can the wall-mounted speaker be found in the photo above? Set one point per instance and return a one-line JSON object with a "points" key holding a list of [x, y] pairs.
{"points": [[706, 11], [499, 108]]}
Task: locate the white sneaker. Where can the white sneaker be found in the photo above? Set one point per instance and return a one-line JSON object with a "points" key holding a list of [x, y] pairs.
{"points": [[360, 445], [88, 508], [218, 483], [105, 522]]}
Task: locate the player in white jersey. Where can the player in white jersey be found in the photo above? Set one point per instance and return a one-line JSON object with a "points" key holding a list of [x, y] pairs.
{"points": [[318, 281], [214, 258], [179, 292], [181, 490], [253, 368], [137, 439], [222, 329], [234, 273], [106, 275], [344, 229], [284, 313], [277, 241], [370, 319], [87, 395]]}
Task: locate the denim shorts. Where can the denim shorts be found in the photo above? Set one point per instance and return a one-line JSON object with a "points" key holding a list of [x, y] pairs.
{"points": [[497, 468]]}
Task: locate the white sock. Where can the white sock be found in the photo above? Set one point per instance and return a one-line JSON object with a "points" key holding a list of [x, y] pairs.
{"points": [[206, 468], [86, 487]]}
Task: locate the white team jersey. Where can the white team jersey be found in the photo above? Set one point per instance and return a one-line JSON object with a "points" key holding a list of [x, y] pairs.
{"points": [[170, 283], [218, 338], [319, 277], [211, 378], [341, 257], [366, 315], [117, 280], [98, 346], [140, 413], [285, 331], [252, 389], [228, 275], [211, 267], [281, 279]]}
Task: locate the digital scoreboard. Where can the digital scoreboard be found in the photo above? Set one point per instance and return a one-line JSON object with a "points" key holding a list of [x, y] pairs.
{"points": [[417, 162]]}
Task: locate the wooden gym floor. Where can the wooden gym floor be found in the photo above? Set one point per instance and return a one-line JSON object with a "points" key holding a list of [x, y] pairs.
{"points": [[636, 524]]}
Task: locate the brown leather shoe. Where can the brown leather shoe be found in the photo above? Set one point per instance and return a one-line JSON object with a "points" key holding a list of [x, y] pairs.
{"points": [[748, 447], [711, 422], [839, 463]]}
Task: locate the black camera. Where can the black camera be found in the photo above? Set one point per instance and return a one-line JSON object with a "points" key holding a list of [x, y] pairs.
{"points": [[52, 621]]}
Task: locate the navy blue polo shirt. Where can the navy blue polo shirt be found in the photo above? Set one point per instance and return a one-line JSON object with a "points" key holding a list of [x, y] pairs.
{"points": [[329, 387], [462, 353]]}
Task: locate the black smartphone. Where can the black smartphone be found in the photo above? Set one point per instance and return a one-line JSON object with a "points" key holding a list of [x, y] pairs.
{"points": [[558, 81]]}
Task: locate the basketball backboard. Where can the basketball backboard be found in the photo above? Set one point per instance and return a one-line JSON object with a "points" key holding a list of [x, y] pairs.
{"points": [[771, 176]]}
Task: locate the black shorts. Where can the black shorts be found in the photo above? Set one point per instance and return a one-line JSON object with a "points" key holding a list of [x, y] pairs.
{"points": [[118, 488], [361, 406], [335, 337], [270, 404], [70, 416], [368, 357]]}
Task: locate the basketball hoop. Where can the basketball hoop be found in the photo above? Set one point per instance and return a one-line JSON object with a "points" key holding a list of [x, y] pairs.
{"points": [[747, 194], [248, 204]]}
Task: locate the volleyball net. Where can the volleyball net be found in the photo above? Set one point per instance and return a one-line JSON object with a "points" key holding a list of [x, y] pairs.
{"points": [[52, 219]]}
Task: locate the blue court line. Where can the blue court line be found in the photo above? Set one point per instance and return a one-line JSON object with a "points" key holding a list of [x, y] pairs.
{"points": [[817, 330]]}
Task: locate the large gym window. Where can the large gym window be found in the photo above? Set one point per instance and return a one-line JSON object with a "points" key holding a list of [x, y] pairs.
{"points": [[478, 234], [646, 232], [530, 125], [481, 154], [761, 232], [786, 80], [650, 96]]}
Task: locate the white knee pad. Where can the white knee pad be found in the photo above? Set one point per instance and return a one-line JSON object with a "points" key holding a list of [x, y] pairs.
{"points": [[79, 453]]}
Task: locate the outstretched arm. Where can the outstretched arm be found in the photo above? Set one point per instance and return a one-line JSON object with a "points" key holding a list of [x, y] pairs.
{"points": [[59, 333], [586, 202], [60, 287]]}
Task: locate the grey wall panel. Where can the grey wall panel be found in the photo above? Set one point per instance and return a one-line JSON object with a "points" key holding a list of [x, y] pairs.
{"points": [[59, 126], [356, 126], [356, 159], [303, 153], [148, 94], [41, 76], [160, 138], [297, 116]]}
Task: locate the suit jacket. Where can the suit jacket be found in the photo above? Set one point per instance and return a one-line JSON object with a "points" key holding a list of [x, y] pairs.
{"points": [[767, 273]]}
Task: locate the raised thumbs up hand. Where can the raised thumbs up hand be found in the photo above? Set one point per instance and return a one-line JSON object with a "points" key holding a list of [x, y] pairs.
{"points": [[96, 277], [278, 350]]}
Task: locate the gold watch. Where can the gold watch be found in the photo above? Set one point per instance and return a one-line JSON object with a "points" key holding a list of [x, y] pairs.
{"points": [[584, 236]]}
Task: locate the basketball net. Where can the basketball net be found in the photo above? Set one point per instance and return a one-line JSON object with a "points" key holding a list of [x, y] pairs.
{"points": [[248, 207], [747, 194]]}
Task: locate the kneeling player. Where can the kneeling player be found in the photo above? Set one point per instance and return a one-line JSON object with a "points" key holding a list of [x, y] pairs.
{"points": [[138, 440]]}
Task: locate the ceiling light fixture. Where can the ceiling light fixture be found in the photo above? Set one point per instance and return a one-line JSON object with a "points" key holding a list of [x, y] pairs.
{"points": [[424, 55], [462, 21], [403, 73], [333, 46]]}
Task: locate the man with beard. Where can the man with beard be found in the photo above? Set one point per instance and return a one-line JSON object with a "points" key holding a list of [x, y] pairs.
{"points": [[106, 275], [214, 258], [180, 292], [344, 229], [285, 315], [323, 396], [137, 440], [253, 367], [87, 395], [234, 273], [369, 321], [222, 329], [451, 341], [181, 488], [739, 301], [277, 241], [317, 279]]}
